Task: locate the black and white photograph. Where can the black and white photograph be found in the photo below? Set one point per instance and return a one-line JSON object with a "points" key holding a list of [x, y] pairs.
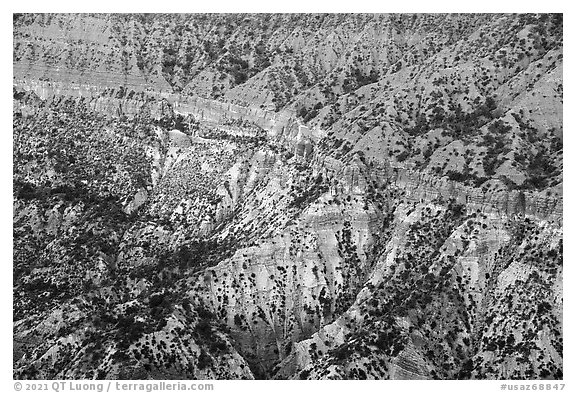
{"points": [[287, 196]]}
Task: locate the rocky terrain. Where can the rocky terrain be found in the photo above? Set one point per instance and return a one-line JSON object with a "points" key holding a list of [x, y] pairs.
{"points": [[278, 196]]}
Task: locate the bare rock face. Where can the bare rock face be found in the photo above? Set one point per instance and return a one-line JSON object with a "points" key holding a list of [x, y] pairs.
{"points": [[288, 196]]}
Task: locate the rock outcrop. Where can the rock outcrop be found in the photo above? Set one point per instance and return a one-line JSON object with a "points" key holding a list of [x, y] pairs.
{"points": [[288, 196]]}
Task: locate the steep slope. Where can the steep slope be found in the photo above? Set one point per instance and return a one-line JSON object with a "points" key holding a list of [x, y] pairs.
{"points": [[288, 196]]}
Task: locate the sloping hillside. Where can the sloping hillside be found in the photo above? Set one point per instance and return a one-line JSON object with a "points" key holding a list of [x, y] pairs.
{"points": [[288, 196]]}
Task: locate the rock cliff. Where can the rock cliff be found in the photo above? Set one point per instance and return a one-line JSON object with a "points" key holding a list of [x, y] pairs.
{"points": [[288, 196]]}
